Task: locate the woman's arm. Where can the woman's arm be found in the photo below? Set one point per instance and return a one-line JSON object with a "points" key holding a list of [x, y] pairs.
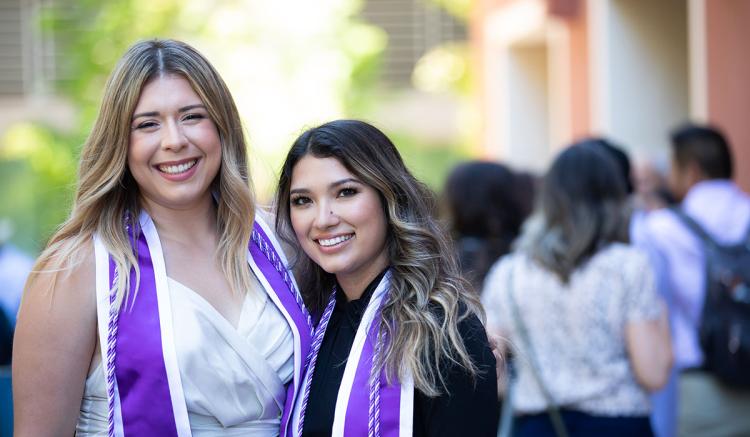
{"points": [[649, 346], [471, 408], [54, 344]]}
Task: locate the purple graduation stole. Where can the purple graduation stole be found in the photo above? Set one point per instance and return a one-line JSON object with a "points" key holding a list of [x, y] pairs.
{"points": [[364, 405], [144, 390]]}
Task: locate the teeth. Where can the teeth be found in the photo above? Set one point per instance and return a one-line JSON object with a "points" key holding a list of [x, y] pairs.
{"points": [[181, 168], [335, 240]]}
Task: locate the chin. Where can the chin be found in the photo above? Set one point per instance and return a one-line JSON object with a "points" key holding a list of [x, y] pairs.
{"points": [[331, 268]]}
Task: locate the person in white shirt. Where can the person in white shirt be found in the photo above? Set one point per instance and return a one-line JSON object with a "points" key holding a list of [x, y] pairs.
{"points": [[700, 179]]}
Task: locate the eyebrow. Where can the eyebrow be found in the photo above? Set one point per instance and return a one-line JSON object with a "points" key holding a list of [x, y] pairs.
{"points": [[331, 185], [155, 113]]}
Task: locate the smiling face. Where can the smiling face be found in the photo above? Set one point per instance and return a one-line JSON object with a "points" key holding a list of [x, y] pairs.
{"points": [[175, 151], [338, 220]]}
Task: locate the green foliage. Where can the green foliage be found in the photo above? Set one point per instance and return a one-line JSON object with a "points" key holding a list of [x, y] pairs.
{"points": [[288, 64], [458, 8], [429, 162], [37, 166], [38, 163]]}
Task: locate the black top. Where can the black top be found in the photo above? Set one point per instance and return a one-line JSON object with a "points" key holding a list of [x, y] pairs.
{"points": [[471, 409]]}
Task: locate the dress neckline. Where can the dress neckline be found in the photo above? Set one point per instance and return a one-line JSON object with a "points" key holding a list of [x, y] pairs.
{"points": [[206, 305]]}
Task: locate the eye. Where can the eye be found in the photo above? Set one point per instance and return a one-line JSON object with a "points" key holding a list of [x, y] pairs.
{"points": [[194, 116], [348, 192], [146, 125], [300, 200]]}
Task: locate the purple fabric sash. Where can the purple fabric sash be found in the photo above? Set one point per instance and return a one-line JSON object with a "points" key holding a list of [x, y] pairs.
{"points": [[392, 404], [145, 400], [141, 370], [267, 258], [357, 412]]}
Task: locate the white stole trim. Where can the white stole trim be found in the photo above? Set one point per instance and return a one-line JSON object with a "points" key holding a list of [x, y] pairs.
{"points": [[406, 404], [298, 358]]}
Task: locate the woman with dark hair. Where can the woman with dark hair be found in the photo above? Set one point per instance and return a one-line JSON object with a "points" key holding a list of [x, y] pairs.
{"points": [[486, 204], [399, 347], [580, 308]]}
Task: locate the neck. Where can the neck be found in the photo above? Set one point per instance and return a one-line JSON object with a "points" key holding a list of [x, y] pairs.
{"points": [[196, 223], [354, 285]]}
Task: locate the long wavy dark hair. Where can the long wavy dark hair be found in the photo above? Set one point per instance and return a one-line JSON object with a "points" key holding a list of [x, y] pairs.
{"points": [[581, 209], [427, 298]]}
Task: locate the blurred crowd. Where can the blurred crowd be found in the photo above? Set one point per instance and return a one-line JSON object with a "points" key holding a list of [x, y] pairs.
{"points": [[618, 294]]}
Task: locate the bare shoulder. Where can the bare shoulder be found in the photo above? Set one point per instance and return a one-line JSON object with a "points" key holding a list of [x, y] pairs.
{"points": [[55, 341], [67, 277]]}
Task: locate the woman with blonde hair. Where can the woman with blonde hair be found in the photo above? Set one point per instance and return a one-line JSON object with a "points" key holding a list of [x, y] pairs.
{"points": [[160, 307], [399, 348]]}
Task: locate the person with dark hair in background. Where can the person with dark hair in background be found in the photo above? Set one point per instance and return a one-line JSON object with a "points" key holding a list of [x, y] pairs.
{"points": [[399, 347], [580, 308], [618, 156], [486, 204], [6, 339], [661, 399], [14, 270], [700, 179]]}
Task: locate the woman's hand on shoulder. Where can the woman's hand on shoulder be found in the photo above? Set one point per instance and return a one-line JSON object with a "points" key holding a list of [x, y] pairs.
{"points": [[54, 343]]}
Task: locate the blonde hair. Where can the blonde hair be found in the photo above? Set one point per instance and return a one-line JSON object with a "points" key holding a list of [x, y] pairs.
{"points": [[107, 193], [428, 297]]}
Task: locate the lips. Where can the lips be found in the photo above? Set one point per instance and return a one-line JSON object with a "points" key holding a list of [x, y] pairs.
{"points": [[334, 241], [174, 168]]}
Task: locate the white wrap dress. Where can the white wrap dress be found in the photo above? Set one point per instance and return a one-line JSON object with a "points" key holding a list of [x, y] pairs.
{"points": [[233, 378]]}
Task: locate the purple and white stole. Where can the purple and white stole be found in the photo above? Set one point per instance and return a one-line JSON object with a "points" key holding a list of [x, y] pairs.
{"points": [[144, 390], [362, 408]]}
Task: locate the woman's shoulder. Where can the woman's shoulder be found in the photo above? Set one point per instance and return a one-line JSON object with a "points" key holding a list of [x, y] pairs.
{"points": [[66, 276], [500, 272], [471, 329], [623, 255], [265, 217], [70, 263]]}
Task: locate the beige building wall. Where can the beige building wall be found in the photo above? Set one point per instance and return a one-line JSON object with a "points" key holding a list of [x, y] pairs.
{"points": [[628, 69], [532, 65], [640, 88]]}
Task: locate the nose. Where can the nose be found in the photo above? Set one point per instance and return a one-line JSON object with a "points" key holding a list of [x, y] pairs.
{"points": [[173, 137], [326, 217]]}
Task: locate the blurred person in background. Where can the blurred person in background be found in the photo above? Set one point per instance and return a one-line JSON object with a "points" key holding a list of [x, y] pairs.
{"points": [[618, 156], [700, 179], [644, 194], [486, 203], [651, 185], [580, 308], [14, 269]]}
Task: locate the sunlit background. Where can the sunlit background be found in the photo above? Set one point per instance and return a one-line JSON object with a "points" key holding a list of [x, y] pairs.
{"points": [[448, 80], [289, 64]]}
